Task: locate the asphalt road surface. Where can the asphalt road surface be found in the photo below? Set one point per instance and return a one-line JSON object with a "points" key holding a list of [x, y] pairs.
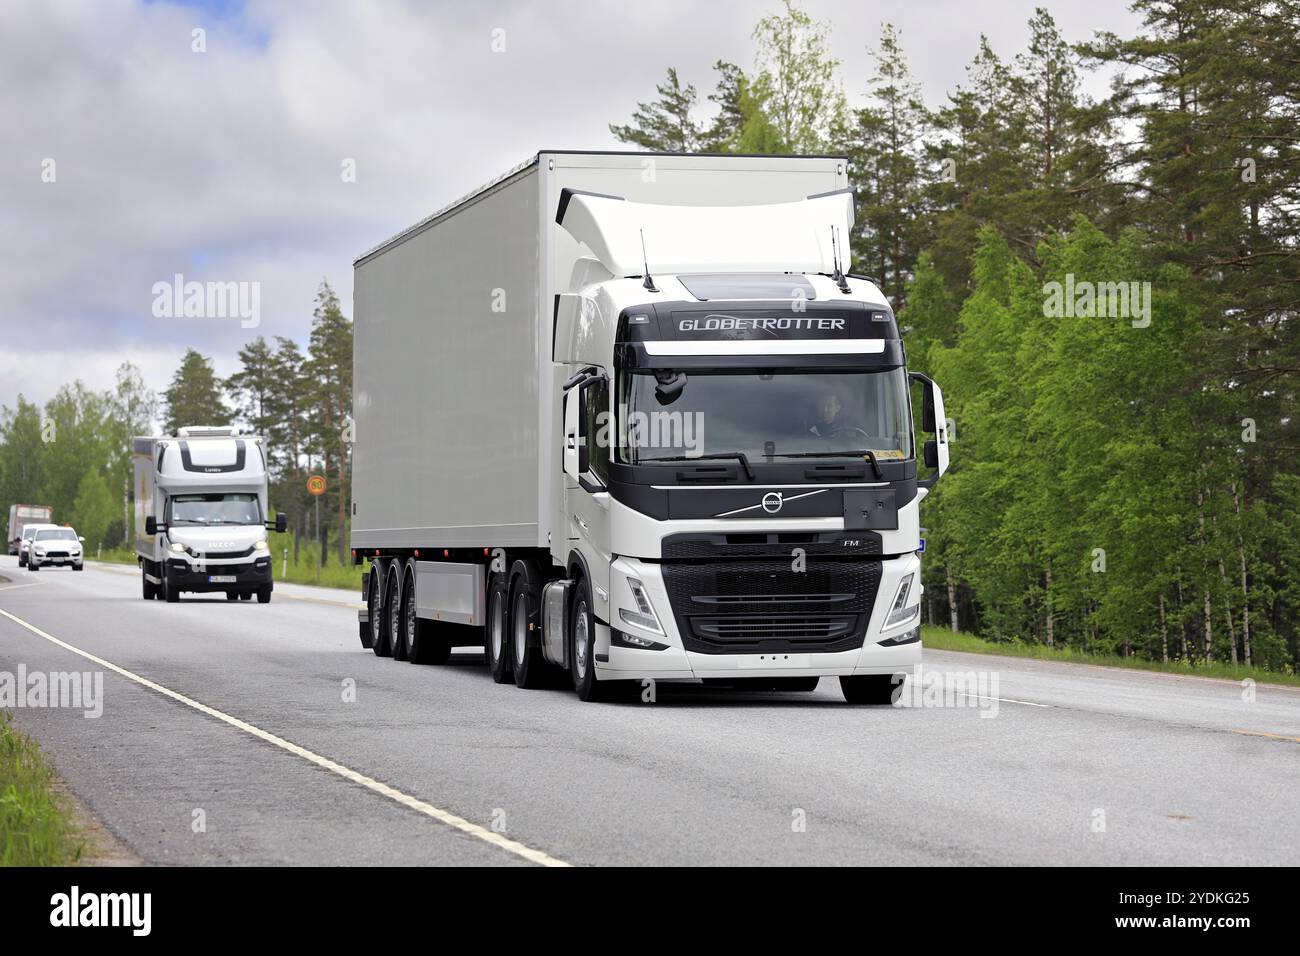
{"points": [[239, 733]]}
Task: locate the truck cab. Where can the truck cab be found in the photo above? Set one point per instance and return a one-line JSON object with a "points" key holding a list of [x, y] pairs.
{"points": [[201, 514], [742, 478]]}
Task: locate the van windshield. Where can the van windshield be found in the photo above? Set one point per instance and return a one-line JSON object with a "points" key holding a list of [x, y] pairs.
{"points": [[215, 509]]}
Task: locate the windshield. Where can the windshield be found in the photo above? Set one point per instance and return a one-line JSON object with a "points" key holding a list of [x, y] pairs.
{"points": [[57, 534], [215, 509], [763, 413]]}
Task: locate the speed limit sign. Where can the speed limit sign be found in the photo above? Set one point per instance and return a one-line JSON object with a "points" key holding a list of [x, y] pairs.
{"points": [[316, 485]]}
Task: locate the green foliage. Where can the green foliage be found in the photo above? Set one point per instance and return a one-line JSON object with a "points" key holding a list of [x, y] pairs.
{"points": [[36, 826], [94, 509], [664, 125], [194, 396]]}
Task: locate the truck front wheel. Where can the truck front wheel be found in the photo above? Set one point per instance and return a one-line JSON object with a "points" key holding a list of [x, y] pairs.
{"points": [[582, 650]]}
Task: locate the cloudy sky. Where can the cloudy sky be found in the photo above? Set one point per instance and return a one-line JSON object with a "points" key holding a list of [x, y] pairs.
{"points": [[128, 157]]}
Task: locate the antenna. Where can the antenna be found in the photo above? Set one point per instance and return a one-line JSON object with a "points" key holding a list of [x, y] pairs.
{"points": [[649, 282], [838, 275]]}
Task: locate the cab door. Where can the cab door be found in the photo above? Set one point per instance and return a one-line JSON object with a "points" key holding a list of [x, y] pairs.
{"points": [[587, 448]]}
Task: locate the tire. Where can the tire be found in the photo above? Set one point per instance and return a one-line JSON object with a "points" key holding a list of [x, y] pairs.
{"points": [[170, 594], [233, 596], [877, 689], [78, 567], [393, 611], [379, 642], [263, 594], [496, 636], [22, 561], [247, 596], [582, 650], [33, 567], [148, 589], [525, 617], [426, 641]]}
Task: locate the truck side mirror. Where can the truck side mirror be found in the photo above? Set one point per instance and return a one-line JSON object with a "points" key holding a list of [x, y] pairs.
{"points": [[931, 454], [151, 525], [933, 420], [281, 522]]}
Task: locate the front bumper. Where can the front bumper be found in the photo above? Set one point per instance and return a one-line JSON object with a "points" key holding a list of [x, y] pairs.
{"points": [[247, 574], [671, 658], [56, 560]]}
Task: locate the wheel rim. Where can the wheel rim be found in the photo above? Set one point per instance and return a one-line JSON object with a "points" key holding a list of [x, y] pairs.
{"points": [[376, 623], [394, 612], [521, 627], [410, 622], [580, 640], [496, 627]]}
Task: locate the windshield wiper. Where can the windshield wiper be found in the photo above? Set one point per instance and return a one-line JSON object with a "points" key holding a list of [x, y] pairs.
{"points": [[864, 453], [740, 456]]}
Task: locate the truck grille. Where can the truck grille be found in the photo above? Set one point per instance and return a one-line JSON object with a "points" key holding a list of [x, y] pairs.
{"points": [[768, 607]]}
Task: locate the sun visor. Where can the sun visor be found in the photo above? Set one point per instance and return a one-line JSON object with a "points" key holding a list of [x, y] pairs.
{"points": [[777, 237]]}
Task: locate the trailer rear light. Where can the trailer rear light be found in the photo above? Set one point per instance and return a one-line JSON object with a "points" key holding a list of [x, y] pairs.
{"points": [[901, 612]]}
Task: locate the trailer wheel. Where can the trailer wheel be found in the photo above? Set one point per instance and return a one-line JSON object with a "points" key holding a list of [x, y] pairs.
{"points": [[393, 610], [525, 600], [496, 640], [378, 619], [426, 641], [872, 688]]}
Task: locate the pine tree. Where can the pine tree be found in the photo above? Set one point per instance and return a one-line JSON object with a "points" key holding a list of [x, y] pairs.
{"points": [[664, 125], [194, 396]]}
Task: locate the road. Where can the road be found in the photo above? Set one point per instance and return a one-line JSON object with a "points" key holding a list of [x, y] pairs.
{"points": [[228, 735]]}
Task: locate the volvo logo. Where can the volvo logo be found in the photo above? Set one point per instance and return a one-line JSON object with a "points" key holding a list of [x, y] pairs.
{"points": [[772, 502]]}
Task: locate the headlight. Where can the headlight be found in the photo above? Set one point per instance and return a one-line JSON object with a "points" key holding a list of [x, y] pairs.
{"points": [[262, 545], [177, 547], [901, 613], [40, 552], [644, 615]]}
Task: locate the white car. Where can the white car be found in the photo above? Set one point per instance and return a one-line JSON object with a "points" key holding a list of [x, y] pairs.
{"points": [[56, 547], [25, 546]]}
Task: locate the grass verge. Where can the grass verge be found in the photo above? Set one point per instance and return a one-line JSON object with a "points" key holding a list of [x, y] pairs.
{"points": [[36, 822], [942, 639]]}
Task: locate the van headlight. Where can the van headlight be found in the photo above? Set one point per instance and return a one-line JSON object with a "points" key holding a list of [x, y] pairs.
{"points": [[177, 547], [262, 545], [901, 612], [644, 615]]}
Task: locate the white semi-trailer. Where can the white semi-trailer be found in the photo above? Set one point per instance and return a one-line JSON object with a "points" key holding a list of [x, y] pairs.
{"points": [[20, 515], [201, 514], [624, 416]]}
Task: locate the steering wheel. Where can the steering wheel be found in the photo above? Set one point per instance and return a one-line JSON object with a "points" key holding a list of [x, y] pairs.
{"points": [[840, 430]]}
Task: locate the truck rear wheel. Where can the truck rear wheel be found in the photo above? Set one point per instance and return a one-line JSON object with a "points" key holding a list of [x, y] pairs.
{"points": [[377, 618], [426, 641], [872, 688], [393, 611], [496, 639], [525, 600]]}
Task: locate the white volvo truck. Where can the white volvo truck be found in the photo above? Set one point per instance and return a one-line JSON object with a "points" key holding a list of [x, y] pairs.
{"points": [[625, 417], [201, 514]]}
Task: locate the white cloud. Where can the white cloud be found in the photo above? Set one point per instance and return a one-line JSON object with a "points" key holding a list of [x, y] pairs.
{"points": [[225, 165]]}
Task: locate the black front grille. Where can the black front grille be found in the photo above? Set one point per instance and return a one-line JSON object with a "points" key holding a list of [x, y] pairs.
{"points": [[228, 554], [56, 554], [696, 546], [764, 606]]}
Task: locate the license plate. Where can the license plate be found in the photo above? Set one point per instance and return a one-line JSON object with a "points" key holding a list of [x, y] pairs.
{"points": [[221, 579]]}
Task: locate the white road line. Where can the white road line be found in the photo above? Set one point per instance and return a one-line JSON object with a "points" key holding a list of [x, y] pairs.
{"points": [[15, 587], [420, 806]]}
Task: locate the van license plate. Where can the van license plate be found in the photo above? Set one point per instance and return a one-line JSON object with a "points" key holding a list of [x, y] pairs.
{"points": [[221, 579]]}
